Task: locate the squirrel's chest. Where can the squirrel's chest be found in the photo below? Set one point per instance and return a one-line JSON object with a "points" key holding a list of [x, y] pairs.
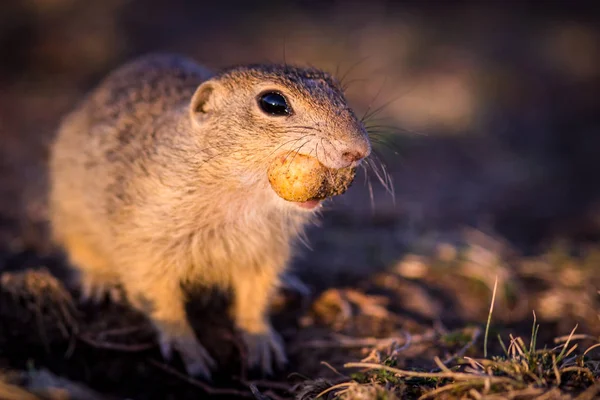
{"points": [[219, 257]]}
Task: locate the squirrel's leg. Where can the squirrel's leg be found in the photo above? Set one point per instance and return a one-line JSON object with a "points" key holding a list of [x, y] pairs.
{"points": [[95, 274], [161, 298], [252, 293]]}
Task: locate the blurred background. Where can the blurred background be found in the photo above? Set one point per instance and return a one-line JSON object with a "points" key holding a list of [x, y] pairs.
{"points": [[491, 107], [485, 122], [486, 113]]}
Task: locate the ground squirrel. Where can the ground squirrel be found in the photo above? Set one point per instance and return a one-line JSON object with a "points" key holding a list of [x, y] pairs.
{"points": [[158, 179]]}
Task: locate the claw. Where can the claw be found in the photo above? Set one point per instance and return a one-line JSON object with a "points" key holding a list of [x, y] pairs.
{"points": [[95, 290], [196, 359], [166, 349], [293, 283], [265, 350]]}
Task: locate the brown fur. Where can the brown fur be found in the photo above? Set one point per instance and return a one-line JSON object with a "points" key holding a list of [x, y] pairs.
{"points": [[159, 178]]}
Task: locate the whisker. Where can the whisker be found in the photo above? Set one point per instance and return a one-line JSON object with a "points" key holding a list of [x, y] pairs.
{"points": [[367, 181], [331, 144], [303, 237], [346, 85], [288, 154], [380, 118], [283, 144], [399, 95], [381, 127], [386, 142], [376, 111], [209, 148], [392, 130], [386, 175], [310, 153], [297, 152], [284, 58], [308, 127], [324, 151], [366, 114], [382, 175], [329, 173], [390, 146], [211, 158], [352, 67], [379, 109]]}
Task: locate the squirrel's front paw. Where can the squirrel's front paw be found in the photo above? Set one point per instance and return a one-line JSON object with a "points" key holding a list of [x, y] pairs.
{"points": [[195, 357], [265, 350], [96, 288]]}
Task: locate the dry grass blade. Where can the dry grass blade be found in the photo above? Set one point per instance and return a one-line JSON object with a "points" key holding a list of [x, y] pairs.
{"points": [[459, 386], [597, 345], [434, 375], [334, 387], [489, 320], [561, 339], [581, 370], [525, 372], [441, 365], [565, 346]]}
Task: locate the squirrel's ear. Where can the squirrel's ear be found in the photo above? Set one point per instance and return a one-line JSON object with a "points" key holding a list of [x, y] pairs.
{"points": [[204, 101]]}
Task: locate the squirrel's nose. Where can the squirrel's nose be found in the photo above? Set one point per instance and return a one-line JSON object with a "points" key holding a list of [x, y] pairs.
{"points": [[356, 151], [346, 152], [352, 156]]}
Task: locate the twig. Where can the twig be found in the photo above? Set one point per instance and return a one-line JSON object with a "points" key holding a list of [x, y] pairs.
{"points": [[350, 342], [343, 341], [201, 385], [128, 348], [408, 341], [325, 363], [465, 348], [272, 395], [257, 394], [121, 331], [235, 340], [266, 384]]}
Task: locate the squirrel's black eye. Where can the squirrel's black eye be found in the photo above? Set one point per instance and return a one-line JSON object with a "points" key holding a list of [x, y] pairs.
{"points": [[274, 103]]}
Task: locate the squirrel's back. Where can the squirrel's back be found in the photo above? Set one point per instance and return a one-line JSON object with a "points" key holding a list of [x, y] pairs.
{"points": [[100, 143], [145, 88]]}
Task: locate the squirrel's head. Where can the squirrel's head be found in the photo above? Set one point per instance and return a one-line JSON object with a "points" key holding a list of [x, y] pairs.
{"points": [[266, 111]]}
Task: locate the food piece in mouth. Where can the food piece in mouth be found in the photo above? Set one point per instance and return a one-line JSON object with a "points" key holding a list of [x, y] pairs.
{"points": [[300, 178]]}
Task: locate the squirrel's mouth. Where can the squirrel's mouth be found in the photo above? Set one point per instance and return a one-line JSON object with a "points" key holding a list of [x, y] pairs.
{"points": [[308, 205]]}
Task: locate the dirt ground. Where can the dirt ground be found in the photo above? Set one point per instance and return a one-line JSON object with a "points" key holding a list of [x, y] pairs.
{"points": [[493, 150]]}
